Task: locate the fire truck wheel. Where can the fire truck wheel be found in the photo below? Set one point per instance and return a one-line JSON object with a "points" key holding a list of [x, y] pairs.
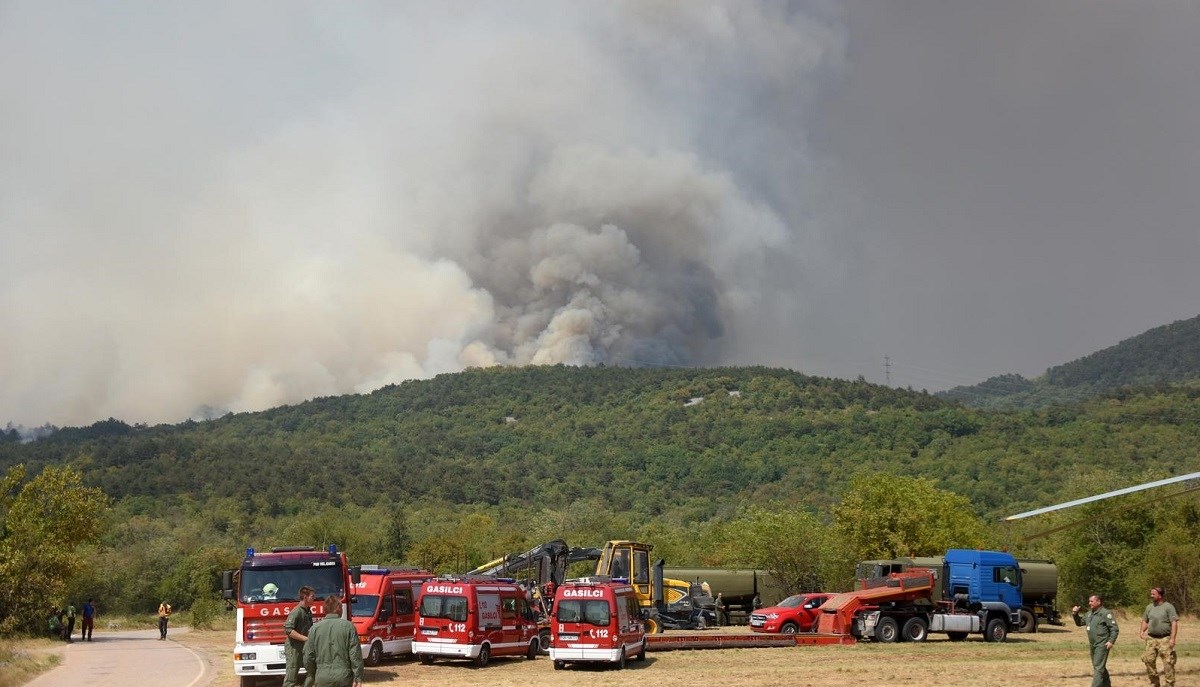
{"points": [[559, 665], [641, 655], [375, 655], [1029, 622], [914, 630], [887, 631], [997, 630], [533, 649], [544, 641], [426, 659], [485, 655], [621, 660], [789, 628]]}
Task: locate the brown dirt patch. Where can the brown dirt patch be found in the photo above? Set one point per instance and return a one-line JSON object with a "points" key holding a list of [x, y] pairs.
{"points": [[1055, 657]]}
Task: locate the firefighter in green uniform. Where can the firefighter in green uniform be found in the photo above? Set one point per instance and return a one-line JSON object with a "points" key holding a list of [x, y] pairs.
{"points": [[1102, 633], [332, 656], [296, 628]]}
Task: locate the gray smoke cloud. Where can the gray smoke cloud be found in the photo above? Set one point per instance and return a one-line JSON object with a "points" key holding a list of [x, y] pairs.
{"points": [[238, 206]]}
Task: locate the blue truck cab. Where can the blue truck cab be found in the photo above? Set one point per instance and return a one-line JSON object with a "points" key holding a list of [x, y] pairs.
{"points": [[986, 582]]}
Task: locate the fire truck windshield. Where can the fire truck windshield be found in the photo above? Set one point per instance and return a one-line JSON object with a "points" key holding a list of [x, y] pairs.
{"points": [[594, 612], [449, 607], [364, 606], [257, 582]]}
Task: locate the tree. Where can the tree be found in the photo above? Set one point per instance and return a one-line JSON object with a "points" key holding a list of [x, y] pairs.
{"points": [[792, 545], [43, 524], [883, 516], [397, 539]]}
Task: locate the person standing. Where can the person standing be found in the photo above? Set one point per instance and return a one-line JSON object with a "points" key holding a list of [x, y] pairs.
{"points": [[69, 628], [164, 614], [89, 618], [296, 628], [1160, 626], [719, 607], [332, 657], [1102, 634]]}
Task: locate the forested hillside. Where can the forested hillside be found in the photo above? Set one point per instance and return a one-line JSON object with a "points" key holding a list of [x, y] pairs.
{"points": [[455, 470], [1164, 355]]}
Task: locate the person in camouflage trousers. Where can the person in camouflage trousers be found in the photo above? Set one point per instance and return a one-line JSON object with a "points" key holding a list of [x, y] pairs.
{"points": [[1160, 626], [1102, 634]]}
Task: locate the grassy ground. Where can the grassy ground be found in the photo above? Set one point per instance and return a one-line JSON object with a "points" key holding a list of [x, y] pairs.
{"points": [[1056, 657], [23, 659]]}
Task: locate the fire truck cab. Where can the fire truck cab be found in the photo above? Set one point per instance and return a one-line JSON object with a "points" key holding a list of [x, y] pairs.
{"points": [[384, 612], [596, 619], [474, 618]]}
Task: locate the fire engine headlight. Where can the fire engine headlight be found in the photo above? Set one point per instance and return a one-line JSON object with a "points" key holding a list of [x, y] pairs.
{"points": [[245, 657]]}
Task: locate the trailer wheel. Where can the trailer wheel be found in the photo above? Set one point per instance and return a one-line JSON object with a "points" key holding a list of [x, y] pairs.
{"points": [[915, 630], [375, 655], [426, 659], [485, 655], [1029, 622], [997, 630], [956, 636], [887, 631], [789, 628]]}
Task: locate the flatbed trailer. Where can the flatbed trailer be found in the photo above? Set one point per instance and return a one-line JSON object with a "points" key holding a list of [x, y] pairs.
{"points": [[683, 640]]}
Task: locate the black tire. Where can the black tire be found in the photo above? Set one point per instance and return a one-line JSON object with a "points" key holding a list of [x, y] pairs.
{"points": [[641, 654], [621, 660], [544, 641], [956, 636], [485, 655], [1029, 622], [425, 659], [789, 628], [533, 652], [914, 630], [997, 630], [887, 630], [559, 665], [375, 655]]}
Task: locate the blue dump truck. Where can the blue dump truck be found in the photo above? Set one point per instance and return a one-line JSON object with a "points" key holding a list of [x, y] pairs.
{"points": [[971, 592]]}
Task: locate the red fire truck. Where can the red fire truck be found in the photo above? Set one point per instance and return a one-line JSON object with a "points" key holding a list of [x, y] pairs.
{"points": [[475, 618], [384, 613], [264, 589], [596, 620]]}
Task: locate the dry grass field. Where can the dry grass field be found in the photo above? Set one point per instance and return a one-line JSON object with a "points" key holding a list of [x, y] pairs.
{"points": [[1054, 657]]}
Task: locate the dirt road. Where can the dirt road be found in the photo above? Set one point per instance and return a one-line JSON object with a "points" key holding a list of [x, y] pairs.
{"points": [[134, 657]]}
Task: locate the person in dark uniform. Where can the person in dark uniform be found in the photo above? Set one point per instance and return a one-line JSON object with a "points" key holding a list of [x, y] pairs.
{"points": [[332, 657], [1102, 633], [89, 620], [296, 629]]}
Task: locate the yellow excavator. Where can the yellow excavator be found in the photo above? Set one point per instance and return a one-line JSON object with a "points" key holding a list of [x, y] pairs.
{"points": [[666, 603]]}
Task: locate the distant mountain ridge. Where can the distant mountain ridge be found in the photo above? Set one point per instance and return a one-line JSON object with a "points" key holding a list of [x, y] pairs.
{"points": [[1169, 354]]}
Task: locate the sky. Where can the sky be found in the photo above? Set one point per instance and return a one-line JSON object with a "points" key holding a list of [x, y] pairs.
{"points": [[210, 207]]}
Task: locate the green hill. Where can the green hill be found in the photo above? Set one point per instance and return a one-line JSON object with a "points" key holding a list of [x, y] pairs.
{"points": [[1164, 355]]}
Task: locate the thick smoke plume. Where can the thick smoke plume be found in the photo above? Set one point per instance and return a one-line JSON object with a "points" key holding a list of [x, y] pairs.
{"points": [[244, 206]]}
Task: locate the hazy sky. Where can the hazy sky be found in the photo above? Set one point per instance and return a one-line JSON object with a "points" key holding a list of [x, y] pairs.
{"points": [[240, 205]]}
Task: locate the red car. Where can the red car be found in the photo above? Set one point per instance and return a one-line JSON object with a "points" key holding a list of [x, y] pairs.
{"points": [[794, 614]]}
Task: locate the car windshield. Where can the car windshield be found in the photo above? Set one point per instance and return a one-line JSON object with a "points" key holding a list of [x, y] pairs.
{"points": [[448, 607], [283, 583], [792, 601], [580, 611], [364, 606]]}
